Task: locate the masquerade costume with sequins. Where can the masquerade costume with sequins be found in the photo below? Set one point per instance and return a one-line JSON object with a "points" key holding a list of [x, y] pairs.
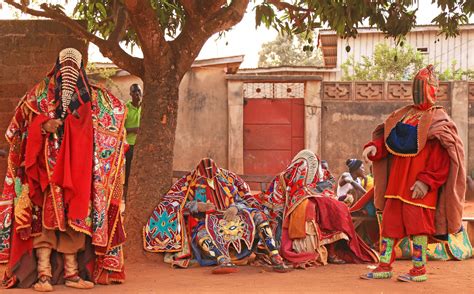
{"points": [[311, 226], [417, 143], [64, 184], [179, 229]]}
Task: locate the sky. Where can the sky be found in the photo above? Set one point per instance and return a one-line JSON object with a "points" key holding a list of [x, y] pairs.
{"points": [[243, 39]]}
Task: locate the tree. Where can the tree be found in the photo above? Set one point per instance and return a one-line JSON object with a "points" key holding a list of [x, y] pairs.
{"points": [[387, 63], [171, 33], [289, 50], [456, 74]]}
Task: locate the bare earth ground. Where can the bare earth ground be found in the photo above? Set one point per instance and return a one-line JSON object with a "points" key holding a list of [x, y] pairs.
{"points": [[444, 277], [453, 277]]}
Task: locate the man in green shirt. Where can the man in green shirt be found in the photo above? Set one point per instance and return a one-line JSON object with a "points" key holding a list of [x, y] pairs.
{"points": [[132, 124]]}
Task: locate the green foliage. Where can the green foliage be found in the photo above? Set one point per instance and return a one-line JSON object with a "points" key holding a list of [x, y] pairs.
{"points": [[289, 50], [387, 63], [102, 16], [455, 74], [393, 17]]}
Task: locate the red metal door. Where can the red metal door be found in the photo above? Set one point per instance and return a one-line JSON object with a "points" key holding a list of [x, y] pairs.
{"points": [[273, 134]]}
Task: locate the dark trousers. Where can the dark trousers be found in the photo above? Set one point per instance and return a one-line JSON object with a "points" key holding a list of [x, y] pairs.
{"points": [[128, 164]]}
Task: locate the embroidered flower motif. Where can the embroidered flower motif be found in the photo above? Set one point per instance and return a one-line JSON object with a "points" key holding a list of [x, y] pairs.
{"points": [[162, 225]]}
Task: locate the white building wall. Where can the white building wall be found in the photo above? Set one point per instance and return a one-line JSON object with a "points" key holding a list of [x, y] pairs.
{"points": [[441, 52]]}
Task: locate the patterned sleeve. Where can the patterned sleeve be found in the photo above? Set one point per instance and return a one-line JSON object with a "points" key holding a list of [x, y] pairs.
{"points": [[242, 196]]}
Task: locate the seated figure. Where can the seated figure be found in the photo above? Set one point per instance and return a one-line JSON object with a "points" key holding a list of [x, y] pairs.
{"points": [[204, 217], [310, 225]]}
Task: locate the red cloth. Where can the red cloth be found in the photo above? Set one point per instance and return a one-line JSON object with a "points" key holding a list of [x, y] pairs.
{"points": [[333, 215], [286, 250], [400, 219], [430, 166], [366, 198], [73, 171], [35, 165]]}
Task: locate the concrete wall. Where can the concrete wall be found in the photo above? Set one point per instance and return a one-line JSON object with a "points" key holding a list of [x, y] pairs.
{"points": [[351, 111], [120, 86], [471, 130], [339, 116], [202, 129], [347, 126], [29, 49]]}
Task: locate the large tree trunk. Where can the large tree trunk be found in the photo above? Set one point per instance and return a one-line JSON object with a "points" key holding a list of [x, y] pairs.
{"points": [[152, 164]]}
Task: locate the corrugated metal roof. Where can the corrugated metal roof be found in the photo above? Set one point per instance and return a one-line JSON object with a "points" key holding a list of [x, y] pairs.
{"points": [[366, 30]]}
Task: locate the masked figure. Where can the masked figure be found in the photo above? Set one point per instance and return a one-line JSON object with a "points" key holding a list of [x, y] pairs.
{"points": [[420, 180], [311, 226], [59, 210], [204, 216]]}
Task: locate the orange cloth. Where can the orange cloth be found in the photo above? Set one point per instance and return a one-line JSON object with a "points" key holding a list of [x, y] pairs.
{"points": [[297, 225]]}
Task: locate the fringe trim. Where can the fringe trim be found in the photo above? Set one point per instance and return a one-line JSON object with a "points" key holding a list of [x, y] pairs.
{"points": [[409, 202]]}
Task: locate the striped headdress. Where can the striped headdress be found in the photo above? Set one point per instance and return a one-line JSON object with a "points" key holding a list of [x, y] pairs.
{"points": [[425, 86]]}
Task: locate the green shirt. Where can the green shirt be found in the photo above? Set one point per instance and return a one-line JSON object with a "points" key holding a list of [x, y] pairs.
{"points": [[132, 121]]}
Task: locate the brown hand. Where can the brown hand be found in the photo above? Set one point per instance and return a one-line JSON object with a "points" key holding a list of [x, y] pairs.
{"points": [[419, 189], [205, 206], [230, 213], [369, 151], [52, 125]]}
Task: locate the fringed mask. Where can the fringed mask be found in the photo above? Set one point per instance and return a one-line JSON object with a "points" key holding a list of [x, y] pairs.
{"points": [[425, 86], [72, 86]]}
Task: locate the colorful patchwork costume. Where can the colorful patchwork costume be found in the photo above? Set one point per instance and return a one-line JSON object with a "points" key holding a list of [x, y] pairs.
{"points": [[178, 228], [59, 210], [419, 176], [311, 226]]}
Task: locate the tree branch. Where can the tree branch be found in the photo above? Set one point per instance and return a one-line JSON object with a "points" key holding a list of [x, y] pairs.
{"points": [[281, 5], [197, 31], [109, 49], [149, 30], [227, 17], [120, 25], [188, 6]]}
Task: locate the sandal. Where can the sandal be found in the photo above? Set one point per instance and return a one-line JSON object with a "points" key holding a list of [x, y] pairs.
{"points": [[376, 276], [225, 268], [412, 278], [78, 283], [335, 260], [43, 284], [279, 265]]}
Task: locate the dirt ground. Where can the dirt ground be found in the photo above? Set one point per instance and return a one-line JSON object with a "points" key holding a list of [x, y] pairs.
{"points": [[443, 277]]}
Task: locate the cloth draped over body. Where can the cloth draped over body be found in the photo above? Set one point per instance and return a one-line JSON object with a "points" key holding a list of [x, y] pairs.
{"points": [[435, 132], [434, 124], [170, 227], [72, 178], [305, 217]]}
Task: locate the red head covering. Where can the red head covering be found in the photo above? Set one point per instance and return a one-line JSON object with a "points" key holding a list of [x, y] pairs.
{"points": [[425, 86]]}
